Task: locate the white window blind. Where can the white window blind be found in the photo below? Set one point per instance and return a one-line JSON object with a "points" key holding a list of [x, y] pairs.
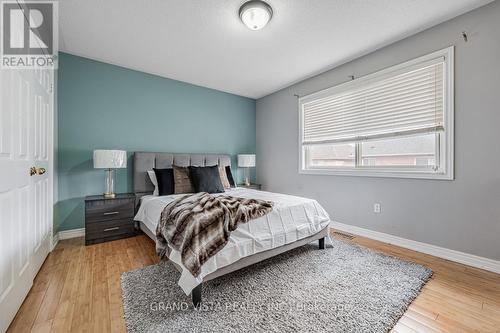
{"points": [[405, 102]]}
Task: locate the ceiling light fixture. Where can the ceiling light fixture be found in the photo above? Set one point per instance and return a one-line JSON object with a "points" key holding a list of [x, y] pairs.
{"points": [[255, 14]]}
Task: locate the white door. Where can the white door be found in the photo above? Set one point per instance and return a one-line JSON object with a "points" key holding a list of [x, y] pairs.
{"points": [[26, 142]]}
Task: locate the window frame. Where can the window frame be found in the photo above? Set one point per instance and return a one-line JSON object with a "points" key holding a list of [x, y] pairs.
{"points": [[444, 140]]}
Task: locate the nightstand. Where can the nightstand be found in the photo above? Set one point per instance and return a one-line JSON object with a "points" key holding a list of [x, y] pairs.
{"points": [[109, 218], [251, 186]]}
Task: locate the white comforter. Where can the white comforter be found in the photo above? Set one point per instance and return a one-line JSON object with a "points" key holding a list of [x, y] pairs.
{"points": [[292, 219]]}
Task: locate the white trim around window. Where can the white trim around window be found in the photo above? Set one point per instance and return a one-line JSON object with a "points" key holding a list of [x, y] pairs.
{"points": [[320, 123]]}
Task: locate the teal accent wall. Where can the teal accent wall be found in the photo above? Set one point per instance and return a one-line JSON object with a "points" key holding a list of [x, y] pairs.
{"points": [[102, 106]]}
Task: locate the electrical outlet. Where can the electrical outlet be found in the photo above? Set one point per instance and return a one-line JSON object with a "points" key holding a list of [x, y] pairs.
{"points": [[376, 208]]}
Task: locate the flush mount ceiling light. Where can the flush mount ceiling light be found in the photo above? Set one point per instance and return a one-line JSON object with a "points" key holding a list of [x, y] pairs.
{"points": [[255, 14]]}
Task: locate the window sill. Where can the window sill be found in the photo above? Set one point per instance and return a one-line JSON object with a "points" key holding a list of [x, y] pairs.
{"points": [[411, 174]]}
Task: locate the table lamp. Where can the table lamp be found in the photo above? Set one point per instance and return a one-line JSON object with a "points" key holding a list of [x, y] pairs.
{"points": [[246, 161], [110, 160]]}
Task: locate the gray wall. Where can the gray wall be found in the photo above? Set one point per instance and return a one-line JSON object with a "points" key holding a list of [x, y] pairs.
{"points": [[463, 214]]}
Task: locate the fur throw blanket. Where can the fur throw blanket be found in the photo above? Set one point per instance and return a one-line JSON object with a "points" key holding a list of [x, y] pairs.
{"points": [[199, 225]]}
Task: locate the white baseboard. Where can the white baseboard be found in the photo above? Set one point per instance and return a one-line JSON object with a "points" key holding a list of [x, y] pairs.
{"points": [[73, 233], [437, 251], [55, 240]]}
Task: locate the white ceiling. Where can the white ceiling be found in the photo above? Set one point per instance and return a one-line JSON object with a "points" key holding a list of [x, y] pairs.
{"points": [[205, 43]]}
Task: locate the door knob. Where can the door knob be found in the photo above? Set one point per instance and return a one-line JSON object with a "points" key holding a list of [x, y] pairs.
{"points": [[37, 171]]}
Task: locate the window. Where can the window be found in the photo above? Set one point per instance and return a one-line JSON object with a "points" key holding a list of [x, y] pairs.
{"points": [[394, 123]]}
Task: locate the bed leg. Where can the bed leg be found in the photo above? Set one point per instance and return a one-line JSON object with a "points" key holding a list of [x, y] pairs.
{"points": [[321, 243], [196, 295]]}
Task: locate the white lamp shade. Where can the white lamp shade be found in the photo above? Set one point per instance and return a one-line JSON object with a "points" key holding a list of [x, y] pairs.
{"points": [[246, 160], [110, 159]]}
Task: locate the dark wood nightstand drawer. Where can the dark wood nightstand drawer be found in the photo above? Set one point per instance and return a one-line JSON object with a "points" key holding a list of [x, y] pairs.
{"points": [[109, 229], [109, 218], [105, 210]]}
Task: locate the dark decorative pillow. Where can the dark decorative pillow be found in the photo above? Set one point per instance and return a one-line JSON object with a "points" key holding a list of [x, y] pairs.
{"points": [[182, 180], [206, 179], [230, 176], [165, 179]]}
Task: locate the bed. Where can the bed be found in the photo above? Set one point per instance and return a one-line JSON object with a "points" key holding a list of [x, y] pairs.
{"points": [[294, 221]]}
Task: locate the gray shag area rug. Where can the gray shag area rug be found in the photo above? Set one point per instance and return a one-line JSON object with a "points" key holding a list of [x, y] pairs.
{"points": [[344, 288]]}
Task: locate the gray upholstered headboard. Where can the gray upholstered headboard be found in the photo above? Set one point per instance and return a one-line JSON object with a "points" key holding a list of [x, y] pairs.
{"points": [[144, 161]]}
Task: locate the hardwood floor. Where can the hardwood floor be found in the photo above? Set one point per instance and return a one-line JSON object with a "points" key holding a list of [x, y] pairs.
{"points": [[78, 290]]}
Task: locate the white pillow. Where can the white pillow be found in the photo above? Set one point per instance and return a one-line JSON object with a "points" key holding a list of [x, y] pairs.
{"points": [[152, 176]]}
